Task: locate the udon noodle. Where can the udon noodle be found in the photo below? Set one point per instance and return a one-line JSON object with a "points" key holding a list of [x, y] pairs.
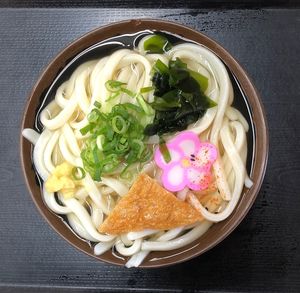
{"points": [[62, 141]]}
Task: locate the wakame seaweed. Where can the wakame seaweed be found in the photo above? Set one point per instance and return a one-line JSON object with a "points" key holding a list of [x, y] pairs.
{"points": [[179, 98]]}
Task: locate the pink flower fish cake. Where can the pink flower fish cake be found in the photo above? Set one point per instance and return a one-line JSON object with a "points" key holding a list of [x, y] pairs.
{"points": [[190, 164]]}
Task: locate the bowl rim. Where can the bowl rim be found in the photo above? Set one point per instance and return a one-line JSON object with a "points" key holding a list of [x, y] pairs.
{"points": [[135, 25]]}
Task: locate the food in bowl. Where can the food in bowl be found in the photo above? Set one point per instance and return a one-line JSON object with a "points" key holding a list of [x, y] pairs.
{"points": [[141, 149]]}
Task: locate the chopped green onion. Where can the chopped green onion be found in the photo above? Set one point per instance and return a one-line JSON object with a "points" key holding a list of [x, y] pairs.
{"points": [[114, 85], [119, 124], [147, 89], [123, 140], [86, 129], [96, 156], [113, 96], [97, 175], [128, 92], [139, 148], [93, 115], [100, 141], [78, 173], [133, 107], [116, 138], [147, 109], [97, 104], [122, 147], [164, 151]]}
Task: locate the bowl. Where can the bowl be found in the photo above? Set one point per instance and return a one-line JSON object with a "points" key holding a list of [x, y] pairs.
{"points": [[249, 99]]}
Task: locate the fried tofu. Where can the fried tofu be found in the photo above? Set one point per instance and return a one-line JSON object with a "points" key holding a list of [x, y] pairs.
{"points": [[148, 206]]}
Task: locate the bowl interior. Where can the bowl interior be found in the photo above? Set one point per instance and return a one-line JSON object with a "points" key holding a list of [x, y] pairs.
{"points": [[125, 34]]}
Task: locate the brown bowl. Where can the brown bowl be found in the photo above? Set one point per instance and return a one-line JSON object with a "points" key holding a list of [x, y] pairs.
{"points": [[258, 127]]}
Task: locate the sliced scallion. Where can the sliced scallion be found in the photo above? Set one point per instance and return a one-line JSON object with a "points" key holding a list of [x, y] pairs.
{"points": [[86, 129], [147, 108], [97, 104], [164, 151], [127, 91], [139, 147], [119, 124], [113, 96], [93, 115], [147, 89], [116, 138], [100, 141], [78, 173], [114, 85]]}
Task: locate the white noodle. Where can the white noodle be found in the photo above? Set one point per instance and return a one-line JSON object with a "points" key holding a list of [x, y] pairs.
{"points": [[71, 140], [100, 93], [136, 259], [52, 204], [94, 193], [59, 120], [31, 135], [81, 194], [49, 150], [202, 124], [65, 151], [79, 228], [141, 234], [38, 154], [102, 247], [80, 91], [234, 114], [125, 240], [96, 215], [181, 241], [119, 187], [85, 219], [128, 251]]}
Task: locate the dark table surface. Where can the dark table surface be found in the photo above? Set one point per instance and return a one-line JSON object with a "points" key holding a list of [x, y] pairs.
{"points": [[262, 254]]}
